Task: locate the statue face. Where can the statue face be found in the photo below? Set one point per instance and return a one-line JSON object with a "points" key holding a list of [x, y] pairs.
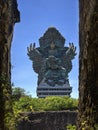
{"points": [[52, 45]]}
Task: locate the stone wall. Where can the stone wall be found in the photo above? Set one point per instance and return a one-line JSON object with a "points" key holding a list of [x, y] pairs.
{"points": [[88, 64], [47, 120]]}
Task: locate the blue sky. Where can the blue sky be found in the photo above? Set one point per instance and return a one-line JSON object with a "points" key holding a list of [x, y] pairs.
{"points": [[36, 17]]}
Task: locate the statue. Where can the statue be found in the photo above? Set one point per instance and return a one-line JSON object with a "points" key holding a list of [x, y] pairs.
{"points": [[52, 61]]}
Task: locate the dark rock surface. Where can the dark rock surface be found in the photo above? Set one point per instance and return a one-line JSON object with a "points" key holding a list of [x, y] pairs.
{"points": [[55, 120], [88, 64], [9, 15]]}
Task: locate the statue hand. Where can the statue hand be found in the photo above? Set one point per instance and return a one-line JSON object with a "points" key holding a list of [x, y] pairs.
{"points": [[71, 52], [31, 48], [72, 47]]}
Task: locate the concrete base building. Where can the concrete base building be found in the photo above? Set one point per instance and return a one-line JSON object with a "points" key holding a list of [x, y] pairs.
{"points": [[44, 90]]}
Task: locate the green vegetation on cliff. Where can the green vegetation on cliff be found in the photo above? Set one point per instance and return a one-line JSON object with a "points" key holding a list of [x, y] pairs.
{"points": [[23, 102], [52, 103]]}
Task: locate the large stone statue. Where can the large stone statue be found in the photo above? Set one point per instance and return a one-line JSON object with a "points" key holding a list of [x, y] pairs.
{"points": [[52, 61]]}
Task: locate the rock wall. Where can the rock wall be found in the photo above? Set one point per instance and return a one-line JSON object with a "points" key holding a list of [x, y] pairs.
{"points": [[9, 15], [88, 65], [47, 120]]}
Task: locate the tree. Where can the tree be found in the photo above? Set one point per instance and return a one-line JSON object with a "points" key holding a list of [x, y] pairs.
{"points": [[17, 93]]}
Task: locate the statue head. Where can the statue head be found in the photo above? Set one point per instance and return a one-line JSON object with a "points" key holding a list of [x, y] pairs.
{"points": [[50, 38]]}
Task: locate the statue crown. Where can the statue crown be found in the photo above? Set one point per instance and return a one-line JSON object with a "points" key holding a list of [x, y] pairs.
{"points": [[52, 35]]}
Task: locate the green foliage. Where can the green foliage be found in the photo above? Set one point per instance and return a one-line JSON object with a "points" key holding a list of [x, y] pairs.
{"points": [[23, 105], [86, 126], [71, 127], [17, 93], [96, 126], [4, 79], [52, 103], [9, 122], [55, 103]]}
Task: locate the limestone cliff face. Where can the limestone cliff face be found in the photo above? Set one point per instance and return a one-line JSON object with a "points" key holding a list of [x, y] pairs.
{"points": [[88, 64], [9, 15], [54, 120]]}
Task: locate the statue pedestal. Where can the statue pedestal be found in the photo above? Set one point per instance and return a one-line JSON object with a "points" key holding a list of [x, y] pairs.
{"points": [[44, 90]]}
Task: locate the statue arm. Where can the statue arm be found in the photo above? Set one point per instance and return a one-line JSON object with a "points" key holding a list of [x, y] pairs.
{"points": [[69, 54], [33, 52], [36, 57], [71, 51]]}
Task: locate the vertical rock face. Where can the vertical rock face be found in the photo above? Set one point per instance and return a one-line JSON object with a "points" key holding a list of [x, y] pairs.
{"points": [[88, 65], [9, 15], [54, 120]]}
